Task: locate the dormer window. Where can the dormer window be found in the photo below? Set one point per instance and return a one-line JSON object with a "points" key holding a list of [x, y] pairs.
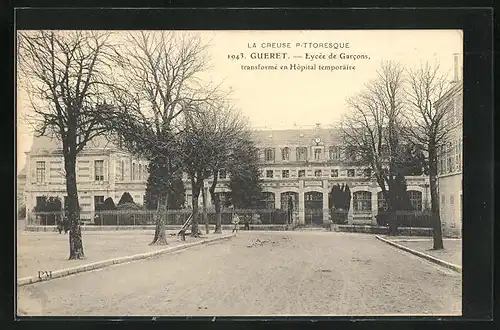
{"points": [[269, 155], [285, 153], [317, 154], [302, 154]]}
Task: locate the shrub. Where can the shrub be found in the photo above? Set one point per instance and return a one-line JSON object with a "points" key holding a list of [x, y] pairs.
{"points": [[21, 212], [339, 216], [126, 199]]}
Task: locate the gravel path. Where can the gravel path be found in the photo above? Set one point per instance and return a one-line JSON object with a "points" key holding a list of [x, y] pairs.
{"points": [[258, 273], [49, 250]]}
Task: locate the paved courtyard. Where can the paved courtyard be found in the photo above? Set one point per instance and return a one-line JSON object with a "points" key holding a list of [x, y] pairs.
{"points": [[49, 250], [258, 273]]}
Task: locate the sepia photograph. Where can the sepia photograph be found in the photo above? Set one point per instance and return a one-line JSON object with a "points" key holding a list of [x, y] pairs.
{"points": [[222, 173]]}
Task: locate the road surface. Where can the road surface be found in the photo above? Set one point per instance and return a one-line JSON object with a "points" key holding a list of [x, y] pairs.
{"points": [[258, 273]]}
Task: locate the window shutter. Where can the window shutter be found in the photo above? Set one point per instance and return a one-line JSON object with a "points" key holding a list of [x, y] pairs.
{"points": [[106, 168], [92, 170], [47, 171], [33, 171], [118, 169]]}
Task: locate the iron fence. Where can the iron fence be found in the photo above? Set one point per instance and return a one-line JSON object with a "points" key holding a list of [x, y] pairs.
{"points": [[174, 217], [407, 219], [44, 218]]}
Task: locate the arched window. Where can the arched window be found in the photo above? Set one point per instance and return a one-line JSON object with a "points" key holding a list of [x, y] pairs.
{"points": [[362, 201], [285, 153], [288, 199], [267, 200], [415, 199]]}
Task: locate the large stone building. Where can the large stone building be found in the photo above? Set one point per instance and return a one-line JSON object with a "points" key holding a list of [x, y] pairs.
{"points": [[103, 171], [304, 163], [450, 163], [301, 164]]}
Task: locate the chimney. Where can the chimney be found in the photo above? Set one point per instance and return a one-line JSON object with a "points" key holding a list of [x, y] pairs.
{"points": [[455, 67]]}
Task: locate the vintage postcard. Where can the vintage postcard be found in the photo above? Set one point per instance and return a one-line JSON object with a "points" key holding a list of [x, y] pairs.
{"points": [[239, 173]]}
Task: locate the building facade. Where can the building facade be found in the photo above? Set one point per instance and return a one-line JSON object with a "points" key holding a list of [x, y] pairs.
{"points": [[304, 164], [450, 163], [300, 165], [102, 171]]}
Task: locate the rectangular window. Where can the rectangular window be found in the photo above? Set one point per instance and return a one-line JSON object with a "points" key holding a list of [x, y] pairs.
{"points": [[302, 173], [133, 171], [452, 200], [367, 172], [317, 154], [40, 201], [415, 199], [350, 173], [122, 174], [222, 174], [99, 170], [335, 173], [285, 173], [301, 154], [269, 174], [40, 172], [98, 201], [140, 172], [317, 173], [362, 201]]}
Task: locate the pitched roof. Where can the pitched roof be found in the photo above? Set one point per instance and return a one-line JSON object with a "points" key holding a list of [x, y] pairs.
{"points": [[297, 137], [44, 143], [22, 174]]}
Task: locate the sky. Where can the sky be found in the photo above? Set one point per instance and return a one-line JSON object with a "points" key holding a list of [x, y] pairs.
{"points": [[281, 99]]}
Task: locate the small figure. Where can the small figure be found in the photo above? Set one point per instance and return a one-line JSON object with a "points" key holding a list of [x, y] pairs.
{"points": [[236, 222], [247, 223], [60, 226]]}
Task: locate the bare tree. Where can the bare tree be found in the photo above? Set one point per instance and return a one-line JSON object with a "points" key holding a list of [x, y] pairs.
{"points": [[161, 70], [67, 77], [426, 126], [372, 128], [228, 128], [207, 143]]}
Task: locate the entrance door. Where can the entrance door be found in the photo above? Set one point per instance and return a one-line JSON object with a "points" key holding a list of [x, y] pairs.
{"points": [[313, 208]]}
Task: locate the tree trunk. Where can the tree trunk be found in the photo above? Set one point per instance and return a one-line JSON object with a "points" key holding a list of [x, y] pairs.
{"points": [[437, 234], [75, 232], [216, 200], [161, 221], [205, 216], [194, 203], [391, 212]]}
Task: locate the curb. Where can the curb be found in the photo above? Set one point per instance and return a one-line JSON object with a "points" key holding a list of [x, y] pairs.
{"points": [[115, 261], [423, 255]]}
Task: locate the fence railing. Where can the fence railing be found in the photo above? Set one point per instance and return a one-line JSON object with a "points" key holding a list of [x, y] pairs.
{"points": [[407, 219], [44, 218], [174, 217]]}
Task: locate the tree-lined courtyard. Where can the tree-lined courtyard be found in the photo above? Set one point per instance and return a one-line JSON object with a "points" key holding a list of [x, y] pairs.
{"points": [[143, 91], [395, 127]]}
